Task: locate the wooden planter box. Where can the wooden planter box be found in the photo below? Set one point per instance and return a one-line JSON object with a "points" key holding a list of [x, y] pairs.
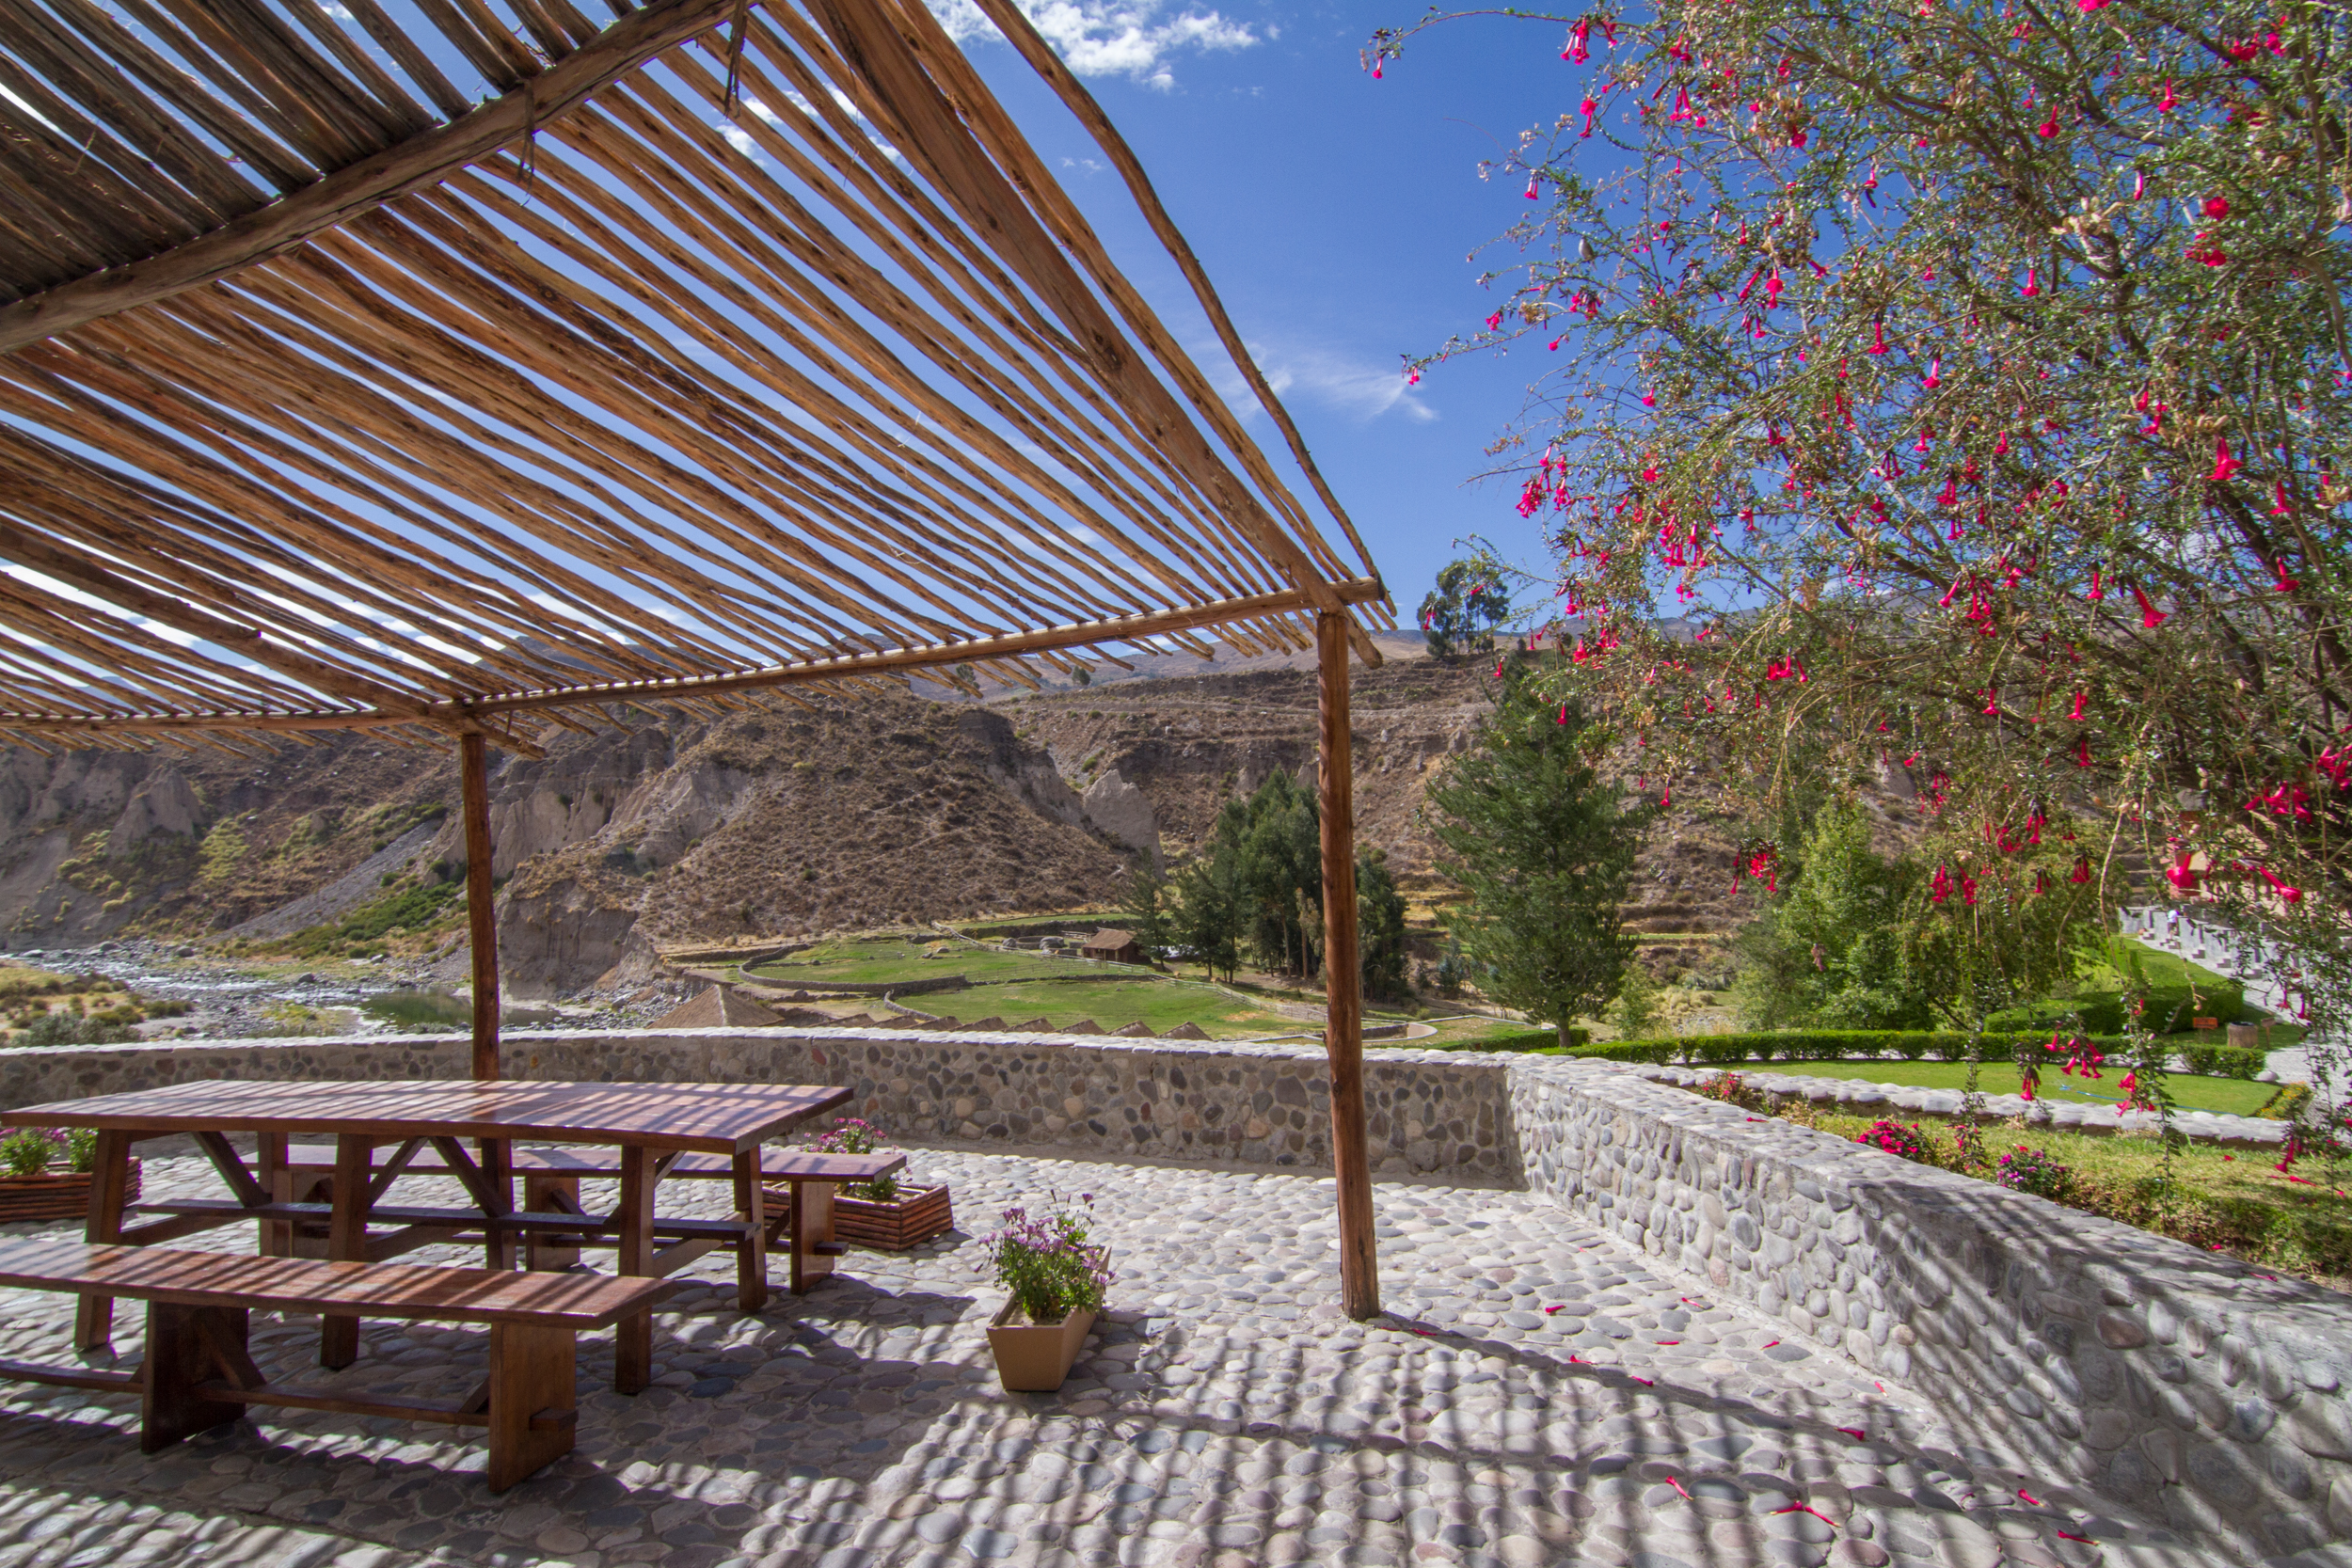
{"points": [[892, 1227], [54, 1195], [909, 1220], [1035, 1358]]}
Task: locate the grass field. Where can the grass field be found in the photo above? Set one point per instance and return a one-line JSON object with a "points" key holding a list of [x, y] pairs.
{"points": [[2232, 1200], [2231, 1096]]}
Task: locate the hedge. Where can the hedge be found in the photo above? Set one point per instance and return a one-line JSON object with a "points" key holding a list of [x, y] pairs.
{"points": [[1527, 1039], [1911, 1045], [2169, 1008]]}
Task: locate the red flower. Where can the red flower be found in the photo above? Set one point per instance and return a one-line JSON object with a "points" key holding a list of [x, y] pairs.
{"points": [[2217, 206], [2081, 873], [2224, 465], [2149, 616]]}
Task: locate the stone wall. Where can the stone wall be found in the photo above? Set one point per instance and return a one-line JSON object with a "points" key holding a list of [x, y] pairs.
{"points": [[2190, 1385], [1431, 1113]]}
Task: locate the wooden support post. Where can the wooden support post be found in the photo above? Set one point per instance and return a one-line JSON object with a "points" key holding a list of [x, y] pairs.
{"points": [[480, 916], [109, 1190], [1343, 976], [633, 1337]]}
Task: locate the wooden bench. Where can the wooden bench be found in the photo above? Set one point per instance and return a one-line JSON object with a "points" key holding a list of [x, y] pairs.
{"points": [[198, 1373], [801, 1190]]}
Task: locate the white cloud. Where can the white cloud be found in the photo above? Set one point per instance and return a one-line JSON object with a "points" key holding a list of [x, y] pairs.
{"points": [[1110, 38], [1357, 387]]}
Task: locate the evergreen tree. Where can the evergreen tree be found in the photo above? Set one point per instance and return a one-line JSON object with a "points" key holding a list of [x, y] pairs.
{"points": [[1379, 924], [1545, 849], [1149, 916], [1212, 910]]}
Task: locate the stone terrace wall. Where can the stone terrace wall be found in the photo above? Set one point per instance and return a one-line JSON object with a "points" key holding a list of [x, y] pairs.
{"points": [[1431, 1112], [2188, 1385]]}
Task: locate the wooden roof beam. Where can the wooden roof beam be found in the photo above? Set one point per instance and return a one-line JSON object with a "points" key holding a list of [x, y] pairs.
{"points": [[468, 713], [358, 189]]}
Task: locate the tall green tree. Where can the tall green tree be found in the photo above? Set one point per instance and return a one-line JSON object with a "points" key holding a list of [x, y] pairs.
{"points": [[1471, 598], [1379, 923], [1277, 839], [1829, 950], [1213, 910], [1544, 847], [1150, 912]]}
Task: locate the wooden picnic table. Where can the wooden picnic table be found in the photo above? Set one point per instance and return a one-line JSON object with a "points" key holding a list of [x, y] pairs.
{"points": [[651, 1124]]}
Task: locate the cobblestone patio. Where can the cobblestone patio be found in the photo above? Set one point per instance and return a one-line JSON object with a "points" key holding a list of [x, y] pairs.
{"points": [[1538, 1394]]}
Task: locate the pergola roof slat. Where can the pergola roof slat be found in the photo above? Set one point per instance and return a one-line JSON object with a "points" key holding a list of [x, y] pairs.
{"points": [[616, 389]]}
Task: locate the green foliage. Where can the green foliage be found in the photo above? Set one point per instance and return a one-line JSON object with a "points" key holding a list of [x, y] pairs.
{"points": [[1258, 882], [1379, 924], [852, 1135], [1545, 849], [1150, 914], [1911, 1045], [411, 909], [223, 850], [81, 1149], [1528, 1039], [27, 1152], [2287, 1104], [1636, 1010], [66, 1028], [1460, 614], [1828, 952]]}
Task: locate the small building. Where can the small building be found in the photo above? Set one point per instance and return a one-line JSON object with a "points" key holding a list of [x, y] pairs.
{"points": [[1118, 947]]}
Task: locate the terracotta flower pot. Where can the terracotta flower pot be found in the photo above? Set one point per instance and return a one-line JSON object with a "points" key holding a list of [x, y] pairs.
{"points": [[1035, 1358]]}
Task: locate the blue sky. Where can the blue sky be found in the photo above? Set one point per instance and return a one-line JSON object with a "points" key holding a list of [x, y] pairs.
{"points": [[1334, 214]]}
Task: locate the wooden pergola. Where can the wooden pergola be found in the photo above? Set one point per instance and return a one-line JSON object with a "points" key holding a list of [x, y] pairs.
{"points": [[466, 371]]}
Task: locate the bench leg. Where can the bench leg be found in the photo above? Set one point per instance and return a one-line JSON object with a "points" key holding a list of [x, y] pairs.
{"points": [[187, 1347], [751, 1252], [533, 1400], [546, 1193], [812, 1233]]}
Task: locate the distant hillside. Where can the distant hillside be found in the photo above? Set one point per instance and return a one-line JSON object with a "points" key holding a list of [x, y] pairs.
{"points": [[821, 814]]}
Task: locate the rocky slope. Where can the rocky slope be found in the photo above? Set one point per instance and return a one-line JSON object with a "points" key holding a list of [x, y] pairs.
{"points": [[802, 818]]}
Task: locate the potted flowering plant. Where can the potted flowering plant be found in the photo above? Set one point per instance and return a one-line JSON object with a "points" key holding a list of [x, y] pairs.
{"points": [[45, 1175], [1056, 1279], [888, 1214]]}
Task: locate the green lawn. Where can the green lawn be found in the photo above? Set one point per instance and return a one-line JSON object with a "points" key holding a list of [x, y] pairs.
{"points": [[2233, 1096], [2156, 966], [1112, 1004]]}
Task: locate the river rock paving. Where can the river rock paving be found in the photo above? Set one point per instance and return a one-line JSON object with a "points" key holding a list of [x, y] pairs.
{"points": [[1538, 1393]]}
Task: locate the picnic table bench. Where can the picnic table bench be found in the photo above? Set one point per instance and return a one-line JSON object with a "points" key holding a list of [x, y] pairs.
{"points": [[650, 1127], [803, 1181], [198, 1374]]}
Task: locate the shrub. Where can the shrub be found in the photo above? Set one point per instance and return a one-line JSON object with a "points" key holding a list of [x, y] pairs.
{"points": [[1527, 1039], [68, 1029], [850, 1136], [2033, 1170], [81, 1149], [2286, 1104], [1847, 1045], [1897, 1137], [27, 1152], [1047, 1262]]}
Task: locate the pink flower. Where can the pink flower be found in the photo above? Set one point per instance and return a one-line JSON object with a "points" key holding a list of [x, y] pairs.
{"points": [[1935, 374], [1878, 338], [2165, 104], [2279, 505], [2033, 284], [2217, 206], [2224, 465], [2149, 616], [2285, 583]]}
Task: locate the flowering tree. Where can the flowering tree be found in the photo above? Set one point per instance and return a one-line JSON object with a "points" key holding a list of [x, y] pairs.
{"points": [[1970, 380]]}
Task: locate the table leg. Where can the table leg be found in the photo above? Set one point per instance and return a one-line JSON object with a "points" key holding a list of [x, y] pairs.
{"points": [[276, 1237], [347, 1239], [633, 1337], [497, 1246], [109, 1190], [751, 1252]]}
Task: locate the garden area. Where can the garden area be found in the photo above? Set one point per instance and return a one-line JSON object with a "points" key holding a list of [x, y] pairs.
{"points": [[2292, 1213]]}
